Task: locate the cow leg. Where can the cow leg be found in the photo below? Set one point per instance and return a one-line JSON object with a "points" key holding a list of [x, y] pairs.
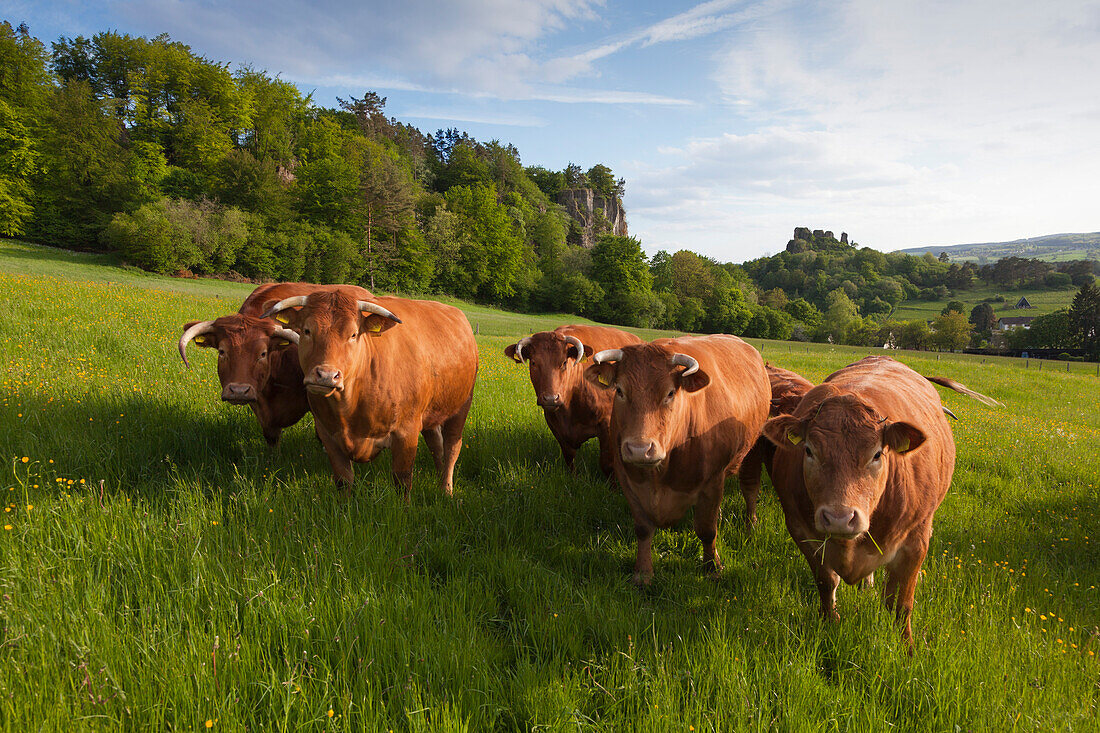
{"points": [[748, 480], [901, 584], [707, 512], [813, 549], [452, 446], [568, 454], [643, 560], [433, 437], [342, 471], [271, 435], [827, 581], [403, 450], [607, 455]]}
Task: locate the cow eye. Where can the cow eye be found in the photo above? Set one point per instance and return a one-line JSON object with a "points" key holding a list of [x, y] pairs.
{"points": [[671, 392], [263, 354], [619, 391], [878, 455], [809, 453], [305, 331], [354, 336]]}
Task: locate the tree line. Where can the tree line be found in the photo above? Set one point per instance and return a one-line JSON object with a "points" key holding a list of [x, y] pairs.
{"points": [[181, 165]]}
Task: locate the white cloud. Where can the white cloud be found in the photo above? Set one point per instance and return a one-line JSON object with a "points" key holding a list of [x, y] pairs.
{"points": [[906, 123]]}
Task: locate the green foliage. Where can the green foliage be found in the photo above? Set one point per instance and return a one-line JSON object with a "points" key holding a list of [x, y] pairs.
{"points": [[177, 234], [619, 267], [23, 81], [951, 331], [1084, 318], [85, 172], [983, 319]]}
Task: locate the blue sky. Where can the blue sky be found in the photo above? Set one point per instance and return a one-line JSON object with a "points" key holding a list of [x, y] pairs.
{"points": [[902, 123]]}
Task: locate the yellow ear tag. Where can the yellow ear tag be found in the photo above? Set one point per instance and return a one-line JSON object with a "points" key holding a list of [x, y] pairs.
{"points": [[375, 327], [903, 446], [282, 318], [604, 380], [795, 439], [200, 339]]}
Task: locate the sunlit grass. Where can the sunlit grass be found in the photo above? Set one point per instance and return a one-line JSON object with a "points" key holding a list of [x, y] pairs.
{"points": [[164, 568]]}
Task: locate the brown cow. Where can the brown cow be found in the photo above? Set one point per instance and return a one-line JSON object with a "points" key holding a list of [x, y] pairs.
{"points": [[380, 371], [860, 468], [574, 409], [787, 390], [686, 412], [257, 358]]}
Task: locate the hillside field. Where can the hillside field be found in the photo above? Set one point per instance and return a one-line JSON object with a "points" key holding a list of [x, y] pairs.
{"points": [[1044, 302], [162, 569]]}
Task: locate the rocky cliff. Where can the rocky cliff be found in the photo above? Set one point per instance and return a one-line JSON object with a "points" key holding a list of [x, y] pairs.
{"points": [[594, 214]]}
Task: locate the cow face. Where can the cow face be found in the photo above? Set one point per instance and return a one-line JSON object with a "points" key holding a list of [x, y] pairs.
{"points": [[649, 384], [553, 360], [333, 333], [845, 450], [245, 345]]}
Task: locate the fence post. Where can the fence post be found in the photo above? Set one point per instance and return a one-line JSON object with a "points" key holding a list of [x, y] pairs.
{"points": [[477, 329], [1040, 365], [1067, 366]]}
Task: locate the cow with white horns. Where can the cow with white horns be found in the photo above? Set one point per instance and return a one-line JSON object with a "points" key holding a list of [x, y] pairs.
{"points": [[686, 411], [258, 358], [380, 372], [575, 410]]}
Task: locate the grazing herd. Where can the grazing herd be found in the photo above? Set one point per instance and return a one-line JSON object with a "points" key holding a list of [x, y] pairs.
{"points": [[859, 463]]}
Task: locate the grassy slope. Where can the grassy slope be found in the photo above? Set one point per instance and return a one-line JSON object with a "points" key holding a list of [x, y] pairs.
{"points": [[1045, 301], [164, 568]]}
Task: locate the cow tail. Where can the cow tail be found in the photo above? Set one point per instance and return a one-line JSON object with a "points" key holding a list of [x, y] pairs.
{"points": [[963, 389]]}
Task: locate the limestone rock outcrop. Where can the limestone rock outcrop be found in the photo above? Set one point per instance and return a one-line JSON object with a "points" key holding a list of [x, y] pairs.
{"points": [[594, 214]]}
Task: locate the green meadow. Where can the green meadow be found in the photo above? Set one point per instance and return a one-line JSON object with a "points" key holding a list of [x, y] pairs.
{"points": [[1043, 303], [162, 569]]}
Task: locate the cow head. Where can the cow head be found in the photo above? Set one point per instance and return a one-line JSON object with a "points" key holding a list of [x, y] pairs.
{"points": [[551, 357], [333, 328], [845, 449], [244, 345], [649, 382]]}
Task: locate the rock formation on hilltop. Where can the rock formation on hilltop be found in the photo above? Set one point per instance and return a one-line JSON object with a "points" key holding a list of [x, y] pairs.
{"points": [[594, 214], [805, 239]]}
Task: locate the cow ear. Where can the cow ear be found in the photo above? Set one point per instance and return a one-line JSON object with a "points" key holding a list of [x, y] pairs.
{"points": [[602, 375], [209, 340], [291, 318], [694, 381], [376, 325], [510, 352], [571, 351], [277, 343], [784, 430], [902, 437]]}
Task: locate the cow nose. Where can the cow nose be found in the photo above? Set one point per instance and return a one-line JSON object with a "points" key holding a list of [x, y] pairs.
{"points": [[642, 451], [237, 392], [326, 376], [549, 400], [841, 520]]}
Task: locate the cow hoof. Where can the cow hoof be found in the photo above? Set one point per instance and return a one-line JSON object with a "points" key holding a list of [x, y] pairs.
{"points": [[713, 567], [642, 580], [830, 615]]}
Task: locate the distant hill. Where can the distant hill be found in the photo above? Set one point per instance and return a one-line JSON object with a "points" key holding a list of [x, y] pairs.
{"points": [[1052, 248]]}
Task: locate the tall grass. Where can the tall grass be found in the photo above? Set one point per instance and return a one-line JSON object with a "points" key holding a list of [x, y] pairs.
{"points": [[164, 569]]}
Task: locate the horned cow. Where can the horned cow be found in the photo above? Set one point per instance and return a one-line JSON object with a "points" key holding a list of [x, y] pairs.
{"points": [[257, 358], [861, 465], [685, 413], [575, 410], [381, 371]]}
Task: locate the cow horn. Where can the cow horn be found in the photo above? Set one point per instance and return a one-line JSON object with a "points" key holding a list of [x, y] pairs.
{"points": [[576, 342], [199, 328], [294, 302], [685, 361], [287, 334], [608, 355], [519, 347], [368, 307]]}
